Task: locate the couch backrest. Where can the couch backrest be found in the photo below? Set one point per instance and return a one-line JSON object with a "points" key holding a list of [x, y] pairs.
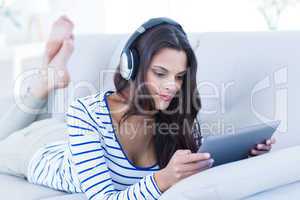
{"points": [[249, 78], [243, 78]]}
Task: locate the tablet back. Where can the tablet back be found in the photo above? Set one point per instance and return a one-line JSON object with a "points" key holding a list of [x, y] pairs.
{"points": [[232, 147]]}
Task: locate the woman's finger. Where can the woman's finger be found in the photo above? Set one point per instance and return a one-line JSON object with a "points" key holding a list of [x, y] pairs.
{"points": [[183, 152], [206, 164], [196, 165], [271, 141], [263, 147], [194, 157], [189, 173], [257, 152]]}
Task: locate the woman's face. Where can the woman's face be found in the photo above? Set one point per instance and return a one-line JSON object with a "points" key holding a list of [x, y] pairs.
{"points": [[164, 77]]}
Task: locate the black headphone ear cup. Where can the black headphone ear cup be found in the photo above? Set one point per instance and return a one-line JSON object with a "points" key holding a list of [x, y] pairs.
{"points": [[135, 61]]}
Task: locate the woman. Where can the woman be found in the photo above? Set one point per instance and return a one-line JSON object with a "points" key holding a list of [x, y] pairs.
{"points": [[132, 143]]}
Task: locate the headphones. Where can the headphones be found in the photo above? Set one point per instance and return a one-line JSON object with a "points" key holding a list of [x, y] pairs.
{"points": [[129, 60]]}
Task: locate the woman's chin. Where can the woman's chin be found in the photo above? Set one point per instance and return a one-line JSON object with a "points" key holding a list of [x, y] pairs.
{"points": [[162, 105]]}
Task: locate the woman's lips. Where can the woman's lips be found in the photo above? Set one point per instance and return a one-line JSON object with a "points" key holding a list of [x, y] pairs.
{"points": [[165, 97]]}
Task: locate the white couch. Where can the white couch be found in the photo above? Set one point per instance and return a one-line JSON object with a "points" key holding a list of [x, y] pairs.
{"points": [[244, 78]]}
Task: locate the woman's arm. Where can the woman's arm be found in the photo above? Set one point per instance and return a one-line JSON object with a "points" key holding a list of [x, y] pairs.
{"points": [[90, 164]]}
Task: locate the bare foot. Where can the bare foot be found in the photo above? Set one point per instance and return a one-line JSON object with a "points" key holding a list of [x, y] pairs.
{"points": [[59, 48], [58, 75], [61, 29]]}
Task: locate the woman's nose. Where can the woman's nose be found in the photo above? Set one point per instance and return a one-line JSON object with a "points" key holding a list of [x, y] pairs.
{"points": [[171, 86]]}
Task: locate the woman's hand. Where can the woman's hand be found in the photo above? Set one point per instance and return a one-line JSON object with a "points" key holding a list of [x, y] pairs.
{"points": [[262, 148], [182, 164]]}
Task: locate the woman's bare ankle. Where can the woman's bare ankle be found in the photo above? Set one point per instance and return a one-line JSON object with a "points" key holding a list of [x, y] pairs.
{"points": [[41, 85]]}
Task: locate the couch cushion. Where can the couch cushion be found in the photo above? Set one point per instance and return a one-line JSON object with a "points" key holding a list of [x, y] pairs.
{"points": [[15, 188], [80, 196], [289, 191], [240, 179]]}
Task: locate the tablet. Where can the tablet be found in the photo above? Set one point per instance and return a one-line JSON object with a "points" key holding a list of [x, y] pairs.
{"points": [[233, 147]]}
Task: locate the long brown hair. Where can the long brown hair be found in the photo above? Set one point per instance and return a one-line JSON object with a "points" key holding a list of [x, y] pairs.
{"points": [[183, 107]]}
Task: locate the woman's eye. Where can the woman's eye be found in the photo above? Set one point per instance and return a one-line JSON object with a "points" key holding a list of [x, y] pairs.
{"points": [[159, 74], [180, 77]]}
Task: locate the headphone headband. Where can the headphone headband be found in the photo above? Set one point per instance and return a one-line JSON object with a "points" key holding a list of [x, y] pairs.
{"points": [[129, 56], [148, 25]]}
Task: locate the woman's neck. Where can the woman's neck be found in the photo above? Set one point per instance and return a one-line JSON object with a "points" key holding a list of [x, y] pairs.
{"points": [[137, 127]]}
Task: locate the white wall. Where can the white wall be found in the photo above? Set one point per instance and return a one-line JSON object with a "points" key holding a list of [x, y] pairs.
{"points": [[116, 16]]}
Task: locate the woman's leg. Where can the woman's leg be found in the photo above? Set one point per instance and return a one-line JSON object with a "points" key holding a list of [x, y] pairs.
{"points": [[58, 51], [18, 148], [18, 144], [17, 118]]}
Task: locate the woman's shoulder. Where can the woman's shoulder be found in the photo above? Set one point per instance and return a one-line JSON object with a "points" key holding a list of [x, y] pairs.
{"points": [[92, 101], [92, 104]]}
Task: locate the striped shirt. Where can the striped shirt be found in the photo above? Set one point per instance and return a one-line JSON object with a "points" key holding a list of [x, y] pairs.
{"points": [[92, 160]]}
